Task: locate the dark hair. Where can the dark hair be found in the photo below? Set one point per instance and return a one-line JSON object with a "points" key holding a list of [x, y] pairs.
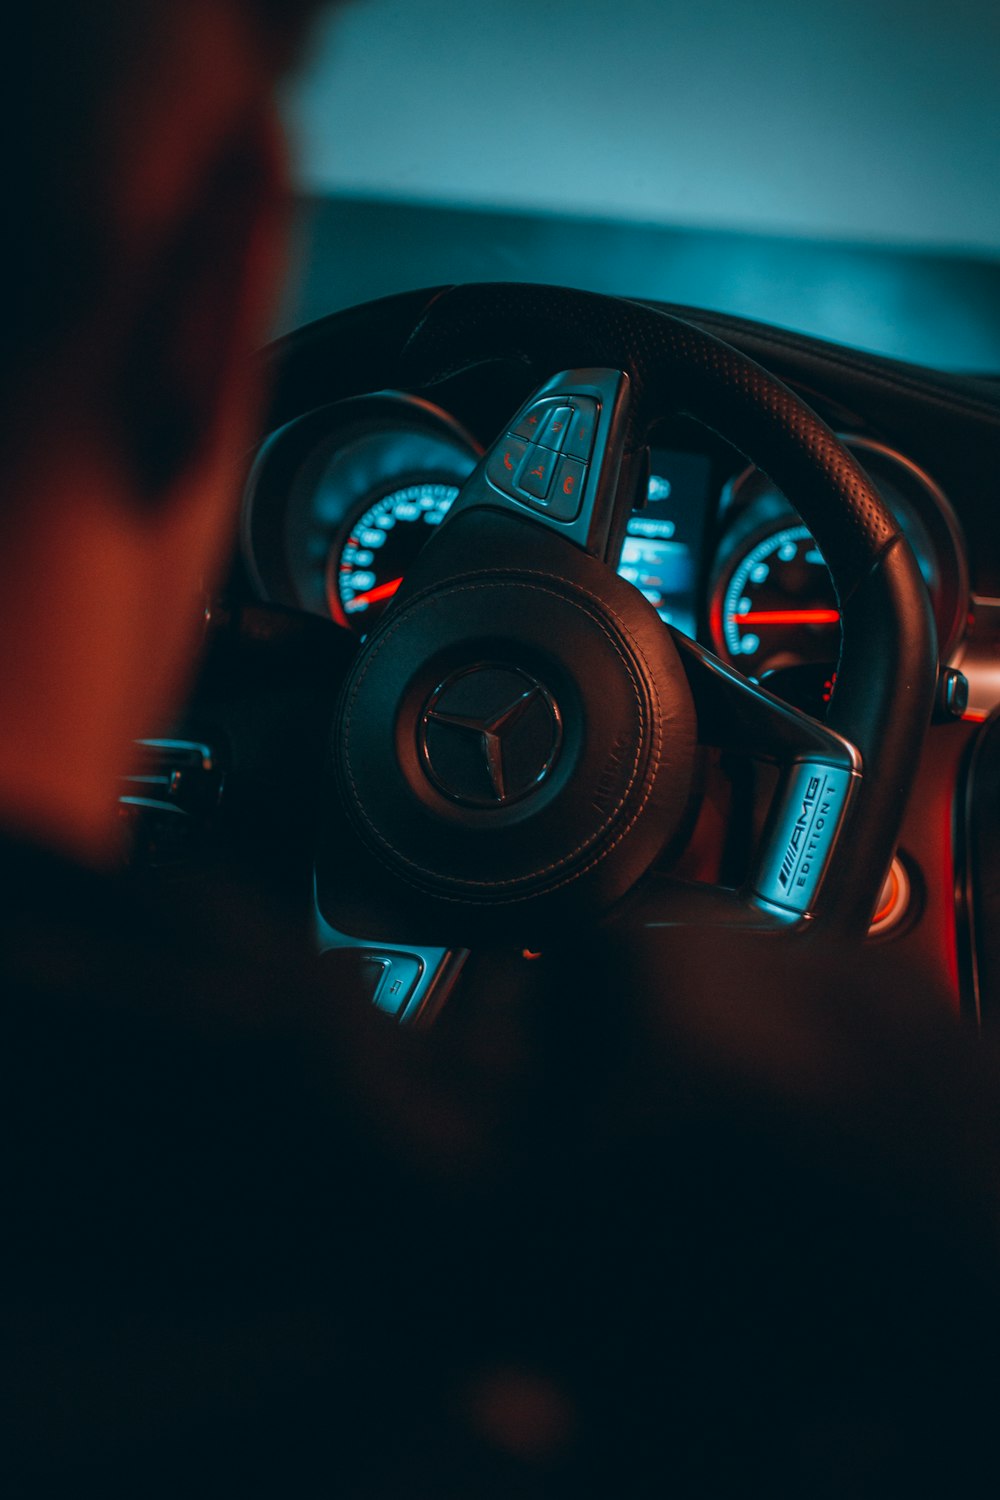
{"points": [[67, 63]]}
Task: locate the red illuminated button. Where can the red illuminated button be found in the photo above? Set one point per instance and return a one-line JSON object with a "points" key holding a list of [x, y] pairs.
{"points": [[534, 419], [536, 473], [505, 460], [580, 438], [567, 490], [555, 429]]}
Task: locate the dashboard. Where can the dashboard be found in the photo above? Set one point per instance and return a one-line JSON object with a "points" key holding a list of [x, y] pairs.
{"points": [[340, 502], [343, 491]]}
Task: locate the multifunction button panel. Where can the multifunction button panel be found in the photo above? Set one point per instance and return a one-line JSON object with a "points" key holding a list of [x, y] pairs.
{"points": [[544, 459]]}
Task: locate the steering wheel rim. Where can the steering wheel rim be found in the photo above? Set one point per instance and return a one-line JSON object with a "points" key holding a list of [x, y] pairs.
{"points": [[888, 663]]}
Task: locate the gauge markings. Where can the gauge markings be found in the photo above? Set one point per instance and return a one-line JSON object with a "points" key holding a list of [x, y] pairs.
{"points": [[367, 569], [778, 606]]}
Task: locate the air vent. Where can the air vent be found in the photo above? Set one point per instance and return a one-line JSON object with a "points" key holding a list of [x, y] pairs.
{"points": [[170, 797]]}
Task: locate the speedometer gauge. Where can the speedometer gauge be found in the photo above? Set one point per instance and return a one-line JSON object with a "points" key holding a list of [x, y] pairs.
{"points": [[775, 606], [369, 565], [773, 611]]}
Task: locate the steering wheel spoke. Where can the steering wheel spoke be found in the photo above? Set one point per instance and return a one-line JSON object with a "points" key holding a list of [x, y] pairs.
{"points": [[411, 982], [664, 904], [792, 878], [819, 773], [561, 462], [737, 714]]}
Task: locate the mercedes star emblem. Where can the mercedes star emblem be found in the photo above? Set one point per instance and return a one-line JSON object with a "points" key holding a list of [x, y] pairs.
{"points": [[489, 735]]}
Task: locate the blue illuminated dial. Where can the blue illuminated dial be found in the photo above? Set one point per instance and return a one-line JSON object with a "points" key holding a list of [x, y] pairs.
{"points": [[366, 571], [778, 608]]}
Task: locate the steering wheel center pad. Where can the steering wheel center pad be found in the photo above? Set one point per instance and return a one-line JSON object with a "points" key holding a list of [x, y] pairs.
{"points": [[614, 789]]}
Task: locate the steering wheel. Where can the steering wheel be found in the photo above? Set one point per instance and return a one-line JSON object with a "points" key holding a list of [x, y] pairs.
{"points": [[517, 741]]}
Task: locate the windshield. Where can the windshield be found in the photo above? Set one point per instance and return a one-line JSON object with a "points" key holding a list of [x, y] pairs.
{"points": [[830, 168]]}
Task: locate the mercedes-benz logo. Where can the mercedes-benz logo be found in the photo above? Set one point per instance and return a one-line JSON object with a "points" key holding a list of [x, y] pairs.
{"points": [[489, 735]]}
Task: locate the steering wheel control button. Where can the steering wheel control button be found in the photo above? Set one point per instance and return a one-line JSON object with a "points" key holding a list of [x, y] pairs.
{"points": [[537, 469], [580, 437], [532, 422], [504, 463], [400, 977], [952, 694], [567, 491], [554, 432], [489, 735], [803, 835]]}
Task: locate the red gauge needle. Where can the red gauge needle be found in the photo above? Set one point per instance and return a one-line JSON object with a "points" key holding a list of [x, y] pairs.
{"points": [[376, 595], [788, 617]]}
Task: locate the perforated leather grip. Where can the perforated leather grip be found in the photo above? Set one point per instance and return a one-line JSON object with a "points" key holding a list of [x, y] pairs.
{"points": [[674, 367]]}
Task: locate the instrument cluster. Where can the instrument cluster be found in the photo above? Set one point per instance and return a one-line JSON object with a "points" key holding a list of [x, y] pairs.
{"points": [[341, 501]]}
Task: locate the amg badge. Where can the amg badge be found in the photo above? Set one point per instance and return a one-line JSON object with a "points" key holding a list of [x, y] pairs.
{"points": [[809, 820]]}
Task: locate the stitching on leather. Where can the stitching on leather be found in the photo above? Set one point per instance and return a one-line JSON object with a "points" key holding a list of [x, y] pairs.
{"points": [[466, 582], [511, 583]]}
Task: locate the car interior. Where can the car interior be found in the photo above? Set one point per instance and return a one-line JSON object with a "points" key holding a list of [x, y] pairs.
{"points": [[598, 705], [737, 546], [502, 736], [739, 492]]}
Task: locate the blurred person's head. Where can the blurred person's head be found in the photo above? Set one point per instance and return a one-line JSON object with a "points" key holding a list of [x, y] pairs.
{"points": [[146, 197]]}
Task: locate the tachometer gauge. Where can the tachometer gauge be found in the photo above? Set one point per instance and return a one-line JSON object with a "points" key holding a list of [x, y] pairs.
{"points": [[775, 606], [339, 501], [773, 612], [369, 564]]}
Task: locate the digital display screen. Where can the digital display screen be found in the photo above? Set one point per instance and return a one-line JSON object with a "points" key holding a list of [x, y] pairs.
{"points": [[662, 546]]}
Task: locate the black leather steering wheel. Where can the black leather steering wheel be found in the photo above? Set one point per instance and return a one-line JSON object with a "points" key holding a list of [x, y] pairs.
{"points": [[516, 741]]}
